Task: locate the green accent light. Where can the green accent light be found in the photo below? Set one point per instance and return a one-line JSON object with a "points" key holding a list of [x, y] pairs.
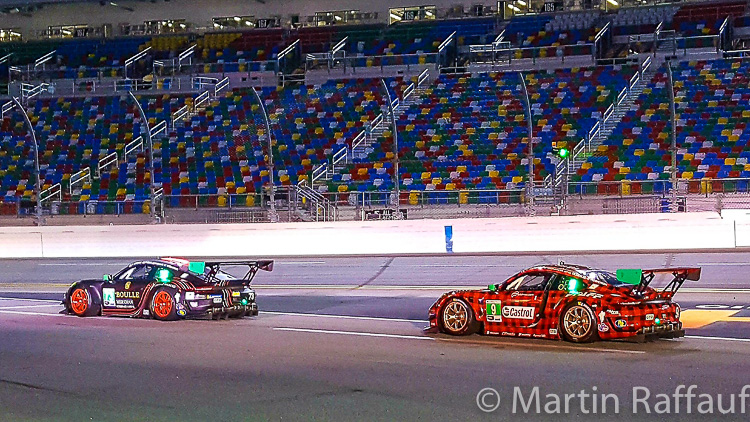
{"points": [[573, 285], [562, 153], [657, 321], [244, 301], [163, 275], [630, 276], [197, 267], [492, 287]]}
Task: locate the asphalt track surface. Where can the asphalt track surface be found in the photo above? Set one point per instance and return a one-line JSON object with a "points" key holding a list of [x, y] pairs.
{"points": [[341, 339]]}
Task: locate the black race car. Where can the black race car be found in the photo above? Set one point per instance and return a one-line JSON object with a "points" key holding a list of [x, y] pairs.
{"points": [[169, 289]]}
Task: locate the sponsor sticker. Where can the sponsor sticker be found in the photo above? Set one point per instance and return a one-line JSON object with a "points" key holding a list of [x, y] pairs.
{"points": [[146, 312], [649, 317], [621, 323], [603, 327], [127, 286], [235, 294], [108, 296], [216, 299], [494, 310], [553, 331], [189, 295], [518, 312]]}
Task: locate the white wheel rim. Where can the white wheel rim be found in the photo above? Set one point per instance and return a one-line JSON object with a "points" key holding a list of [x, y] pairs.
{"points": [[577, 322], [455, 316]]}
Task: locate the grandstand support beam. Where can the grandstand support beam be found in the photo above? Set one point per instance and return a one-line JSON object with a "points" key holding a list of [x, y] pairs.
{"points": [[151, 194], [397, 187], [273, 216], [39, 220], [530, 184], [673, 148]]}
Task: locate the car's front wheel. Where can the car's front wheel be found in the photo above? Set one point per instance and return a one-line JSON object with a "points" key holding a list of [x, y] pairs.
{"points": [[457, 318], [578, 323], [82, 301], [163, 305]]}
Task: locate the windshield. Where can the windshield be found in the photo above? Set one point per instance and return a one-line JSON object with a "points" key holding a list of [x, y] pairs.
{"points": [[604, 277]]}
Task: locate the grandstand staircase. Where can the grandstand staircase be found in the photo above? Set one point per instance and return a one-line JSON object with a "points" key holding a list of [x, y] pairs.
{"points": [[373, 131], [311, 205], [602, 130]]}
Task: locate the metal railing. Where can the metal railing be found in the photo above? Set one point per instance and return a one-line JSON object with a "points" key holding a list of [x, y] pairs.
{"points": [[79, 178]]}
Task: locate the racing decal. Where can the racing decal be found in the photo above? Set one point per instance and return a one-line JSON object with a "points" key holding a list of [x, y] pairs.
{"points": [[603, 327], [128, 295], [621, 323], [494, 310], [649, 317], [553, 331], [189, 295], [108, 296], [611, 312], [592, 295], [518, 312], [127, 285], [601, 317]]}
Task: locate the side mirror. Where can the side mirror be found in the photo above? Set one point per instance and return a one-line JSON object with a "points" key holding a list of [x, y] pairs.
{"points": [[107, 277]]}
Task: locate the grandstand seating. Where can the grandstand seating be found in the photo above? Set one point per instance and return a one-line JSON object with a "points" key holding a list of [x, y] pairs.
{"points": [[712, 134], [467, 131]]}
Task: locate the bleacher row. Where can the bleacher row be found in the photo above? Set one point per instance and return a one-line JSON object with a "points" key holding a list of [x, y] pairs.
{"points": [[404, 43], [466, 132]]}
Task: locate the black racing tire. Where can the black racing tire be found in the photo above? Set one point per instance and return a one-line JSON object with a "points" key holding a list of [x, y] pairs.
{"points": [[83, 301], [578, 323], [457, 318], [163, 305]]}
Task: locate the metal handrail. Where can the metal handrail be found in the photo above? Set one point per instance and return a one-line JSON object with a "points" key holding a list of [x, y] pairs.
{"points": [[6, 108], [44, 59], [200, 100], [132, 146], [340, 155], [52, 191], [105, 162], [158, 128], [447, 41], [179, 114], [78, 177], [422, 77], [221, 85]]}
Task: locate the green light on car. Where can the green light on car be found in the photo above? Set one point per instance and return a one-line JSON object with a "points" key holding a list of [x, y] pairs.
{"points": [[244, 301], [657, 321], [573, 285], [164, 275]]}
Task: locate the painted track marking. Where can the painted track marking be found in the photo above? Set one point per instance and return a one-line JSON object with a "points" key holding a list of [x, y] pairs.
{"points": [[363, 318], [352, 333]]}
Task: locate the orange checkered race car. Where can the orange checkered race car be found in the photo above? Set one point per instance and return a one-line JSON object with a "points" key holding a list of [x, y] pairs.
{"points": [[568, 302]]}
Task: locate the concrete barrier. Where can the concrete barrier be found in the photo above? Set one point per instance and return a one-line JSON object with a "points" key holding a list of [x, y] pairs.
{"points": [[639, 232]]}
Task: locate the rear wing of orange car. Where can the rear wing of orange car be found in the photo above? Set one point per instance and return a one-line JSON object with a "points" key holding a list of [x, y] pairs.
{"points": [[641, 278]]}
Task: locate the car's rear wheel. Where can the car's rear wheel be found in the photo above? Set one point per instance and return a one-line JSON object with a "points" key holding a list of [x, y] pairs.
{"points": [[457, 318], [163, 305], [82, 302], [578, 323]]}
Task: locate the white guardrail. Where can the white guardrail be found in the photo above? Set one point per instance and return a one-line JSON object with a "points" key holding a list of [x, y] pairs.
{"points": [[635, 232]]}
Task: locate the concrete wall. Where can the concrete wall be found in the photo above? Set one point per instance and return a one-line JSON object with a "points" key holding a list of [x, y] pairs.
{"points": [[640, 232]]}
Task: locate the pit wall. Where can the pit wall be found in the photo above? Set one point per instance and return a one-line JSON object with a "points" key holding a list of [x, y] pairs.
{"points": [[598, 233]]}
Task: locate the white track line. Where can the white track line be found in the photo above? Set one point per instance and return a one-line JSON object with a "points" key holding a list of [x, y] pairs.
{"points": [[31, 300], [746, 340], [30, 306], [352, 333], [31, 313], [363, 318]]}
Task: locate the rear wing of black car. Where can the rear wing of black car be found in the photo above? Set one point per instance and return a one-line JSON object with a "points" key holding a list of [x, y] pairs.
{"points": [[214, 267], [642, 278]]}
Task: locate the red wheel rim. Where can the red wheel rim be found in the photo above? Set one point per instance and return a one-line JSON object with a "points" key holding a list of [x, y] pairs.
{"points": [[162, 304], [79, 301]]}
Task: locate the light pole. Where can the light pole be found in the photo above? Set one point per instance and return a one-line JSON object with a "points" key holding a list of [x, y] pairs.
{"points": [[395, 145], [530, 187], [272, 215], [673, 176], [152, 208], [39, 220]]}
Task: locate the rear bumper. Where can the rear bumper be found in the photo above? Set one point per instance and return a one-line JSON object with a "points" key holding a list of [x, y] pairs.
{"points": [[662, 331]]}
